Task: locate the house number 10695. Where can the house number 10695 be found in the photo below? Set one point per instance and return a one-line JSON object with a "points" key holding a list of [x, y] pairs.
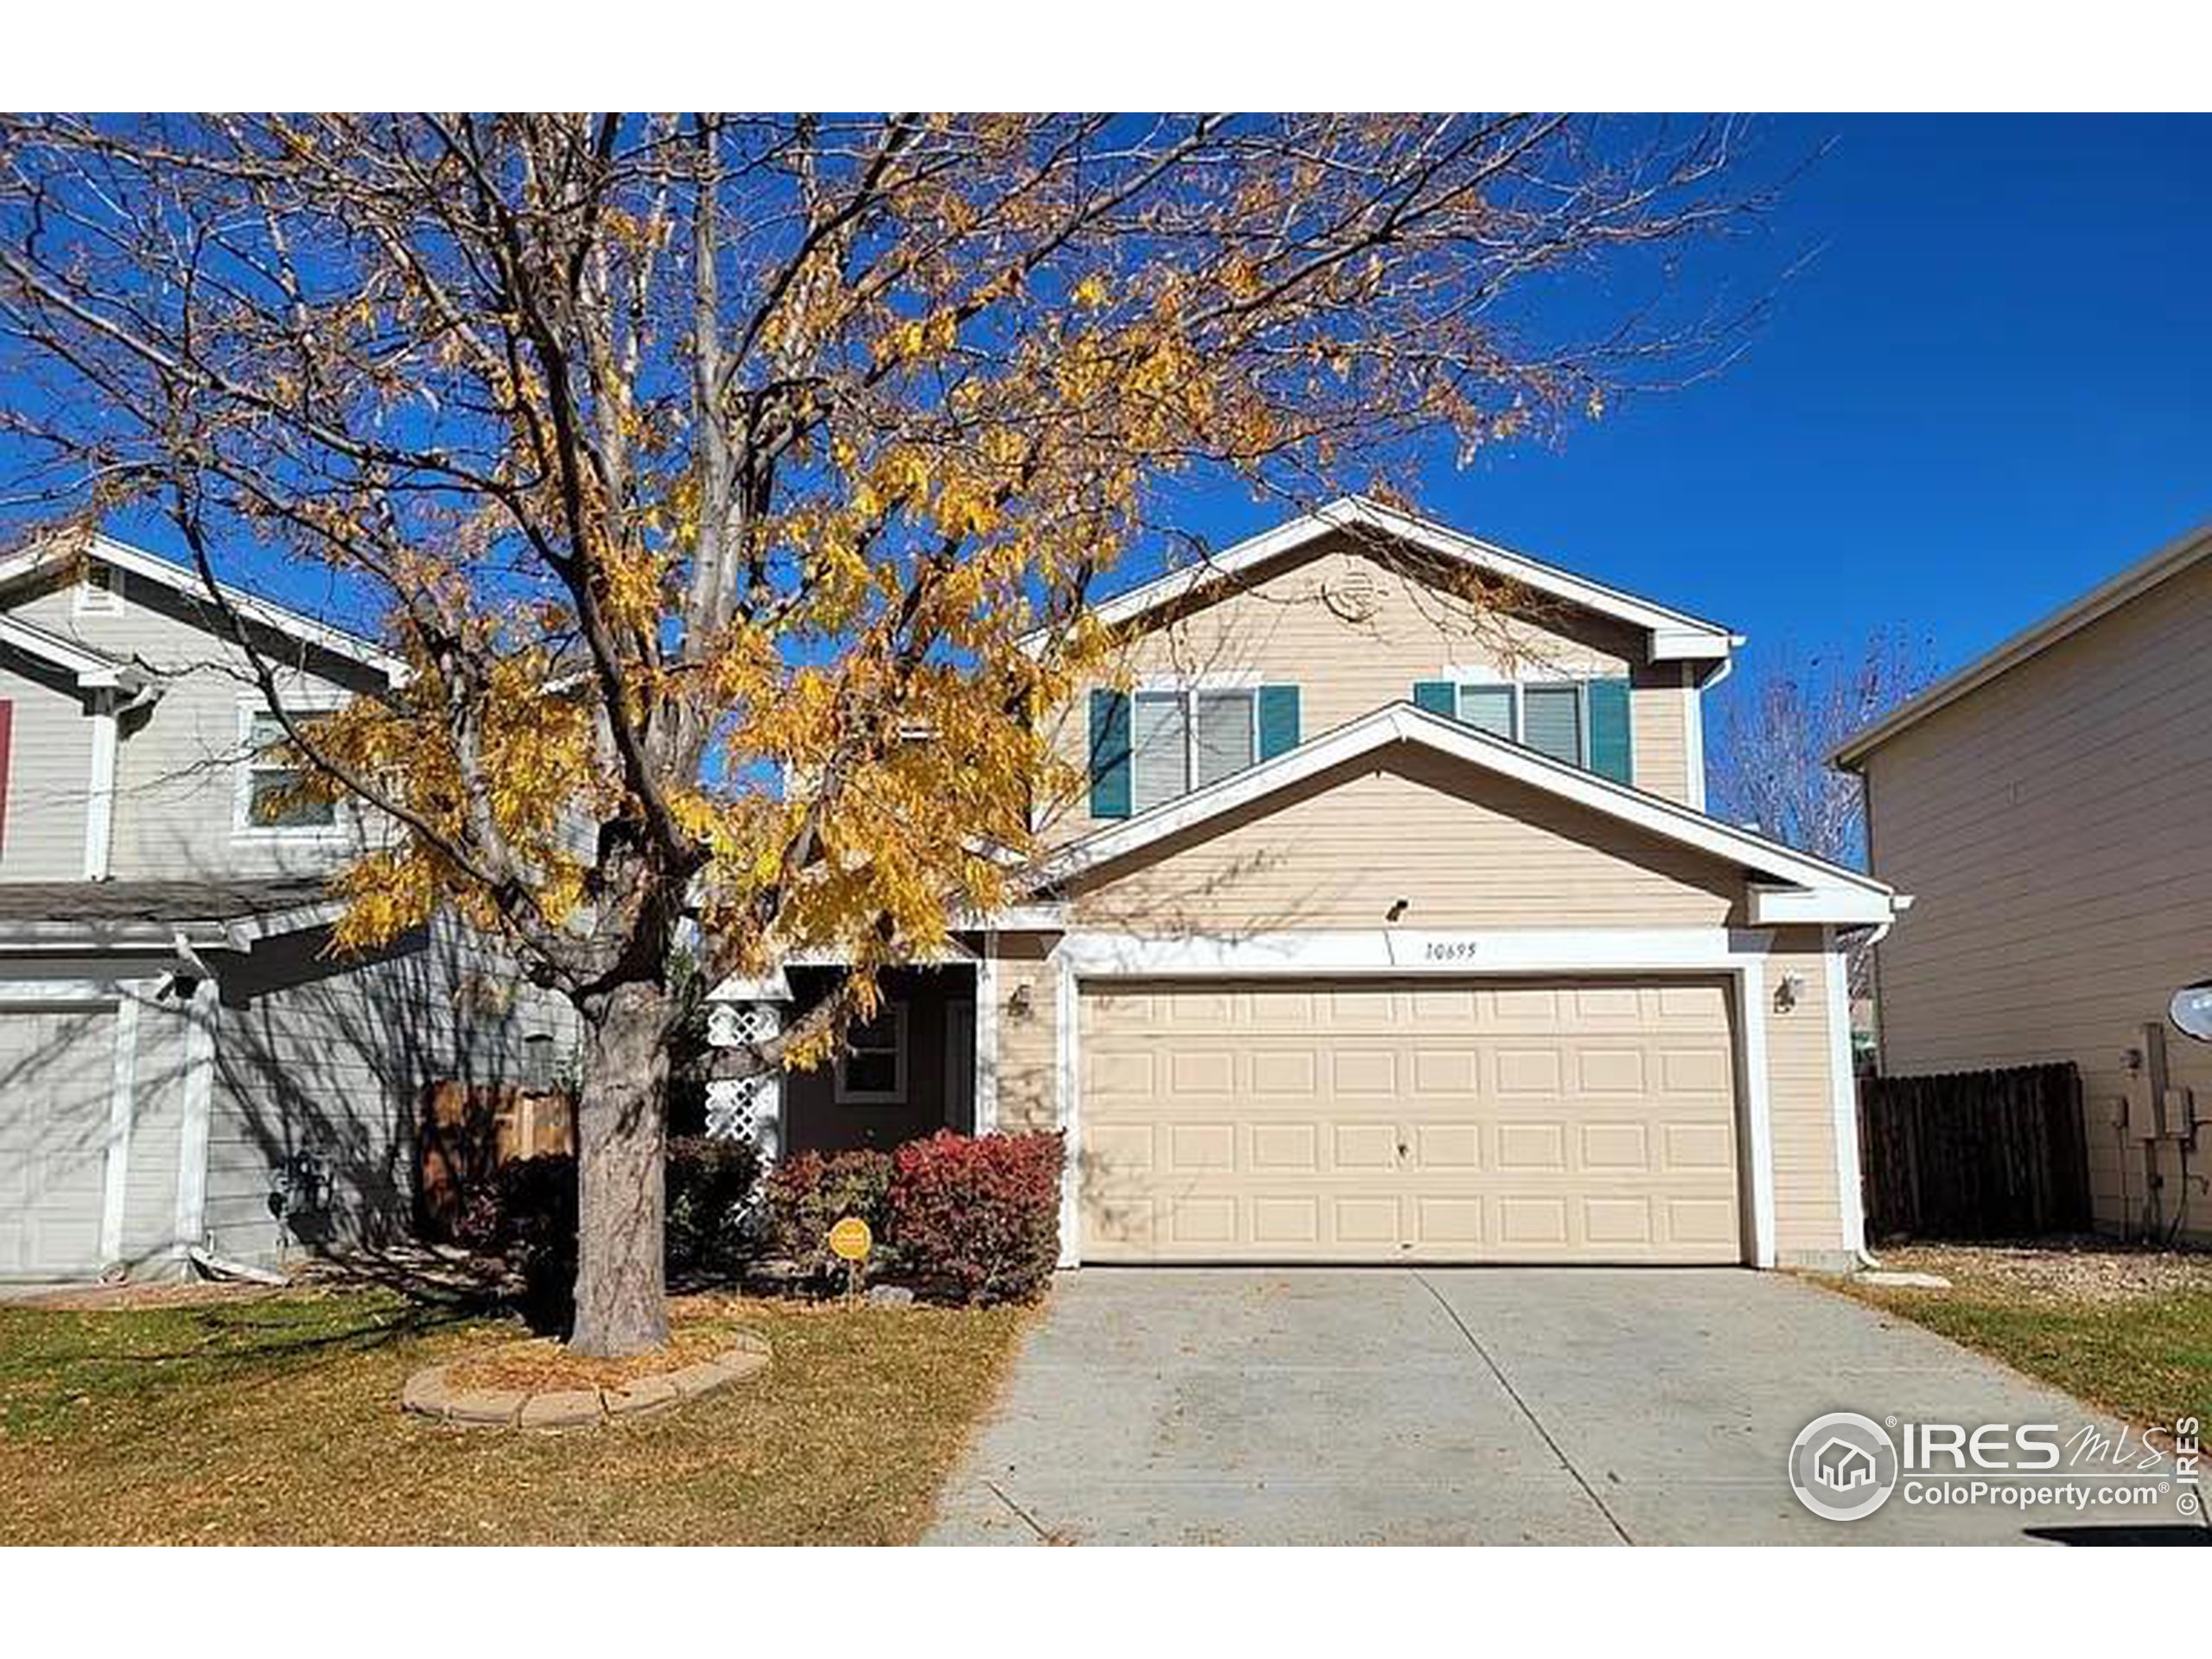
{"points": [[1451, 950]]}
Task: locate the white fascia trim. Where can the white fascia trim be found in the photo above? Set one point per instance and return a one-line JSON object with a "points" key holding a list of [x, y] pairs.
{"points": [[52, 993], [99, 798], [1673, 633], [1739, 955], [122, 1113], [1843, 1080], [281, 618], [2170, 559], [91, 671], [180, 578], [1402, 722], [1774, 907]]}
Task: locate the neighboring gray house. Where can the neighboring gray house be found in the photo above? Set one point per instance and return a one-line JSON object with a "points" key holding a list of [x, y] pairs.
{"points": [[184, 1063]]}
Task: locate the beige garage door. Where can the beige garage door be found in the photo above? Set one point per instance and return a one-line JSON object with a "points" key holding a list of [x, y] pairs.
{"points": [[1348, 1121]]}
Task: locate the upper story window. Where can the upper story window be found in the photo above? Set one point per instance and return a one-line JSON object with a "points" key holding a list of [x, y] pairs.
{"points": [[1156, 744], [1582, 723], [270, 799], [1185, 740], [100, 591]]}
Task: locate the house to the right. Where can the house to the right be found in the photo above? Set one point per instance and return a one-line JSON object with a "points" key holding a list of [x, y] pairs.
{"points": [[2049, 806]]}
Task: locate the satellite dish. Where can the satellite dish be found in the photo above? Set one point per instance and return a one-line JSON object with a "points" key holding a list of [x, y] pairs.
{"points": [[2192, 1011]]}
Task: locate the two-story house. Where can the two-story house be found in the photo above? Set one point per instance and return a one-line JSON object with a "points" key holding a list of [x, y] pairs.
{"points": [[184, 1064], [1391, 927]]}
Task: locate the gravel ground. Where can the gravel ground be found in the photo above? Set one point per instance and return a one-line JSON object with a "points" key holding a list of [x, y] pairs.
{"points": [[2075, 1270]]}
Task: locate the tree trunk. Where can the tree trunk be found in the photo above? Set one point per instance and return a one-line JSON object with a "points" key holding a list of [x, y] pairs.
{"points": [[621, 1175]]}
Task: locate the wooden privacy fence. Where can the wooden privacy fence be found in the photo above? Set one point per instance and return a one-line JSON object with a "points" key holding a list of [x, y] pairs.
{"points": [[1974, 1155], [468, 1130]]}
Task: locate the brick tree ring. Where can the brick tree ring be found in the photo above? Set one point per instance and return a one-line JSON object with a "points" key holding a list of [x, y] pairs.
{"points": [[432, 1392]]}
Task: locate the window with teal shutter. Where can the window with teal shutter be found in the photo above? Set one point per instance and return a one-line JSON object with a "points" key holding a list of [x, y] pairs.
{"points": [[1109, 755], [1437, 696], [1610, 749], [1551, 720], [1279, 732]]}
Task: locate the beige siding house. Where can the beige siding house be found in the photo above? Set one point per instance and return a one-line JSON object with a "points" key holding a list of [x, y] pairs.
{"points": [[184, 1064], [2050, 808], [1387, 925]]}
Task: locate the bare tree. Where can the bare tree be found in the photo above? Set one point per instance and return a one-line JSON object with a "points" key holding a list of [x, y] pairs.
{"points": [[1779, 724], [682, 455]]}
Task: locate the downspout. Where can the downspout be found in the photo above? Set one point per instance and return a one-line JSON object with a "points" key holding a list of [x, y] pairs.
{"points": [[99, 790]]}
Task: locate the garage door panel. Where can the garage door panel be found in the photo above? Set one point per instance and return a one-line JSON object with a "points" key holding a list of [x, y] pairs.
{"points": [[1460, 1120], [56, 1069]]}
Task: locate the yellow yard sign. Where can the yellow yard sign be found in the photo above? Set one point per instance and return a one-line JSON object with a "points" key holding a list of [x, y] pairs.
{"points": [[850, 1240]]}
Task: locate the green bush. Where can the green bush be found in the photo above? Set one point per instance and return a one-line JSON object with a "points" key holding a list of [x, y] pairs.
{"points": [[710, 1188]]}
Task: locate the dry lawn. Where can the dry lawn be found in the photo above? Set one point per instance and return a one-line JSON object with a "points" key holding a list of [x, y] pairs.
{"points": [[275, 1419], [2127, 1330]]}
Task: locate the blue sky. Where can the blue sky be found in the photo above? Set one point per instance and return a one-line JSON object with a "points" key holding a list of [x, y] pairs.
{"points": [[1990, 389]]}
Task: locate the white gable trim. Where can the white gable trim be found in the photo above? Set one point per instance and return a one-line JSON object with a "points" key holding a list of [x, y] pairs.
{"points": [[2181, 554], [1673, 635], [1833, 892], [88, 668], [179, 579]]}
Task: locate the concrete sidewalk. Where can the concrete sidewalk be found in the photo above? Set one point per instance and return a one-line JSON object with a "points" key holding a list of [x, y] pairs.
{"points": [[1470, 1406]]}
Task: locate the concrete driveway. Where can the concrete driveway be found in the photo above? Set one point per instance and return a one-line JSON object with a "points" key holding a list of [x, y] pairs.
{"points": [[1470, 1406]]}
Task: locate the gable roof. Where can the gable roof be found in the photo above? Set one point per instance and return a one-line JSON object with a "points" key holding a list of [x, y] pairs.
{"points": [[2181, 554], [1673, 633], [177, 578], [1798, 887], [91, 669]]}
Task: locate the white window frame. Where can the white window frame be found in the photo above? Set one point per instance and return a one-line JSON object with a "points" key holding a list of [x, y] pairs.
{"points": [[243, 827], [896, 1095], [1246, 681], [1492, 678], [93, 599]]}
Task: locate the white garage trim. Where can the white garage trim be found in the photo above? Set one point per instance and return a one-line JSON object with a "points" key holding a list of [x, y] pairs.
{"points": [[115, 1173], [1844, 1079], [1739, 954], [986, 1036], [191, 1219]]}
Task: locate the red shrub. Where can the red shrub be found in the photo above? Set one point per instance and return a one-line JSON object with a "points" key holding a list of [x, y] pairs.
{"points": [[807, 1194], [979, 1215]]}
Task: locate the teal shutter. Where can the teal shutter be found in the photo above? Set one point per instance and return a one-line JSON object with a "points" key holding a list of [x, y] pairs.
{"points": [[1436, 697], [1611, 751], [1278, 720], [1109, 755]]}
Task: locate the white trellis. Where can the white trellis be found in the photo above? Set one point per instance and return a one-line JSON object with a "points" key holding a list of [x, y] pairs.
{"points": [[753, 1107]]}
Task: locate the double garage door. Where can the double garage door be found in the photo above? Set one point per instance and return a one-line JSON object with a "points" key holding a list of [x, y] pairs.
{"points": [[1431, 1120]]}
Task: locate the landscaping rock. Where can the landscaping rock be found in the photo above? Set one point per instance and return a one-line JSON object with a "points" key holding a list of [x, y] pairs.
{"points": [[647, 1393], [561, 1408], [431, 1393], [890, 1296], [1904, 1281]]}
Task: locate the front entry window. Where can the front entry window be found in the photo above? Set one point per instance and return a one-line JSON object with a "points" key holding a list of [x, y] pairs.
{"points": [[873, 1070]]}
